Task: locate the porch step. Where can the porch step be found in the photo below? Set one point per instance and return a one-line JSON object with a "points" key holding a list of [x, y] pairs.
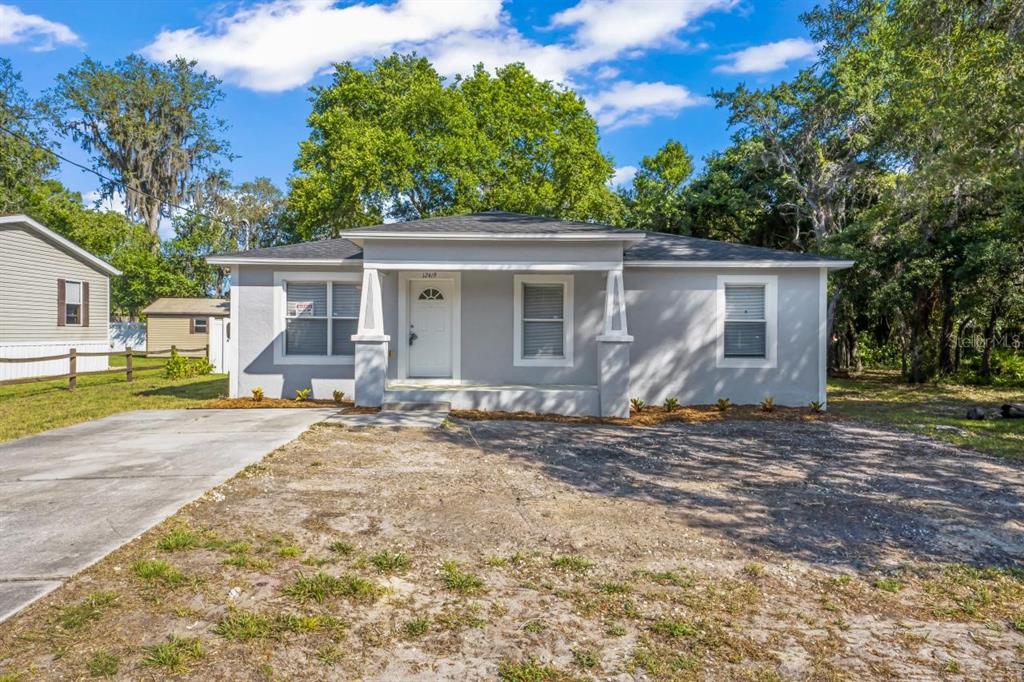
{"points": [[416, 407]]}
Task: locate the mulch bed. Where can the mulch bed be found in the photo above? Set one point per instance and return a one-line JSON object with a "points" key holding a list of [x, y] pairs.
{"points": [[654, 415], [346, 406]]}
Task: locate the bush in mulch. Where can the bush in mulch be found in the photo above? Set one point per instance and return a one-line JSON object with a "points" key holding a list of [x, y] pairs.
{"points": [[242, 403], [653, 415]]}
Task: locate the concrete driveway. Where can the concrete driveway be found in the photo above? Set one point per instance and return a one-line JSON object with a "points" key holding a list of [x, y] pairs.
{"points": [[70, 496]]}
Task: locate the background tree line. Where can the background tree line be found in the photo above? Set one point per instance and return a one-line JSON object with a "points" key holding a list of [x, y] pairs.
{"points": [[901, 148]]}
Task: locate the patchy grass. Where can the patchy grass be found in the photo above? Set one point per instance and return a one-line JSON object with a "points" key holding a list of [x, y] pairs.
{"points": [[881, 396], [390, 562], [31, 408], [456, 579], [79, 615], [596, 567], [175, 654]]}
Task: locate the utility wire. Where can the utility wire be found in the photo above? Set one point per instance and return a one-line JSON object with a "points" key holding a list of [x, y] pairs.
{"points": [[105, 178]]}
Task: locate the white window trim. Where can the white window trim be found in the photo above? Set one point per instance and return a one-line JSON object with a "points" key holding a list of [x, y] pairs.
{"points": [[771, 314], [80, 304], [281, 307], [206, 324], [567, 320]]}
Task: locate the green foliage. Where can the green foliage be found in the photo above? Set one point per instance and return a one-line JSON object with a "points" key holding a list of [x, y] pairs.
{"points": [[656, 201], [77, 616], [339, 396], [148, 125], [573, 563], [456, 579], [180, 537], [397, 141], [671, 404], [723, 404], [303, 394], [768, 404], [181, 367], [816, 406], [323, 586], [174, 654], [257, 394], [158, 571], [390, 562], [637, 405]]}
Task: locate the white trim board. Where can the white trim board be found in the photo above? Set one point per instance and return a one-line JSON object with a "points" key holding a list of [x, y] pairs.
{"points": [[356, 236], [404, 278], [234, 260], [532, 266], [830, 264], [281, 306], [568, 302], [66, 244]]}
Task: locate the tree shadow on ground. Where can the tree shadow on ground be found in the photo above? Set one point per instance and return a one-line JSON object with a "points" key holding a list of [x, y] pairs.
{"points": [[841, 494], [194, 390]]}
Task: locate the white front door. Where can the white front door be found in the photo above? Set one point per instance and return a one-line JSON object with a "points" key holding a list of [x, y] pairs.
{"points": [[430, 328]]}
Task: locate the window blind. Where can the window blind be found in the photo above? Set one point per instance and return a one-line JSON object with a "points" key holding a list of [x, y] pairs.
{"points": [[345, 300], [543, 321], [307, 299], [745, 324]]}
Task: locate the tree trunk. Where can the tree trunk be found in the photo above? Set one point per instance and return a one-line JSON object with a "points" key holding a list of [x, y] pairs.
{"points": [[153, 223], [961, 329], [946, 365], [920, 321], [990, 341]]}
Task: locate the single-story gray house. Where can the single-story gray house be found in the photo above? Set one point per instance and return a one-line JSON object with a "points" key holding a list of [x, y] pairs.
{"points": [[504, 311]]}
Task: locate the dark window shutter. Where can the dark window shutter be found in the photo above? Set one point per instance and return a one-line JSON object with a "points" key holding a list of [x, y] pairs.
{"points": [[62, 308], [85, 304], [191, 325]]}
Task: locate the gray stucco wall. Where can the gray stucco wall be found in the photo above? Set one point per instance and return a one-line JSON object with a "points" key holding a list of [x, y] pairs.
{"points": [[672, 316], [254, 335], [671, 312]]}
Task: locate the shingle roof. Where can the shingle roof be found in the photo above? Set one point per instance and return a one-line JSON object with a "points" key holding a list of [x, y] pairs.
{"points": [[327, 249], [658, 246], [188, 306], [493, 222], [652, 246]]}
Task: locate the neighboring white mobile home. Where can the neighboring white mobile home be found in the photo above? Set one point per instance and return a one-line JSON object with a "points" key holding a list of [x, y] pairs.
{"points": [[505, 311], [54, 295]]}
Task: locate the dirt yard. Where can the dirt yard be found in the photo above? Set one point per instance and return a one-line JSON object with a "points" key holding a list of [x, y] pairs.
{"points": [[539, 551]]}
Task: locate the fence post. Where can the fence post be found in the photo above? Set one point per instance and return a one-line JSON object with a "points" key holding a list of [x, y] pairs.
{"points": [[128, 362], [206, 351], [72, 369], [174, 349]]}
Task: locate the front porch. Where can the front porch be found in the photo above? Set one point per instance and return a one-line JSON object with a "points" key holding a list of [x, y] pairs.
{"points": [[509, 339], [540, 398]]}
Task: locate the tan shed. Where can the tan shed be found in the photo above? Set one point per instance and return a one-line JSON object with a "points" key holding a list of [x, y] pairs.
{"points": [[185, 323]]}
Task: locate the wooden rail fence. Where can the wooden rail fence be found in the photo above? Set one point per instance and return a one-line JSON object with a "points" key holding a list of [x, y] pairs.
{"points": [[72, 357]]}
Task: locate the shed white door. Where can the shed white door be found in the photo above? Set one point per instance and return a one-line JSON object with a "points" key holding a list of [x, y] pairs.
{"points": [[430, 328], [216, 327]]}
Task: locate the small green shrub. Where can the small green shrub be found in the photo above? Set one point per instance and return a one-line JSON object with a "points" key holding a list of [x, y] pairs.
{"points": [[671, 404], [158, 571], [723, 404], [180, 537], [768, 404], [244, 625], [257, 394], [339, 396], [816, 406], [302, 394], [174, 653], [341, 547], [573, 563], [180, 367], [458, 580], [321, 586], [674, 628], [417, 627], [637, 405], [888, 585]]}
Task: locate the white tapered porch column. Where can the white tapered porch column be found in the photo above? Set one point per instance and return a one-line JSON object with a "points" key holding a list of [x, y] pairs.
{"points": [[613, 350], [371, 361]]}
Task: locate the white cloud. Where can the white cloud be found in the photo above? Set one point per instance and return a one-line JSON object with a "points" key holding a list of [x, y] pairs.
{"points": [[607, 73], [628, 104], [610, 27], [18, 27], [623, 176], [768, 57], [283, 44]]}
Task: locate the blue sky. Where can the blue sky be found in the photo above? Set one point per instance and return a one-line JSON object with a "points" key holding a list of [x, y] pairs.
{"points": [[645, 68]]}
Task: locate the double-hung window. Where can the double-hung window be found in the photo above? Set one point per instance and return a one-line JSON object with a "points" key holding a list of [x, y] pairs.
{"points": [[320, 318], [72, 303], [747, 321], [543, 320]]}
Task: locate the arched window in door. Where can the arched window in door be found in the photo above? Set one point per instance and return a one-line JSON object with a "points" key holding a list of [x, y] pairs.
{"points": [[431, 295]]}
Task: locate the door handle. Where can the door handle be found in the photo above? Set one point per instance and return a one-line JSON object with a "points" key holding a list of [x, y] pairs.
{"points": [[412, 336]]}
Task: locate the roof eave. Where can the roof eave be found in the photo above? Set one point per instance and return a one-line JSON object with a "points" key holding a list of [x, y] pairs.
{"points": [[357, 237], [273, 260], [760, 263]]}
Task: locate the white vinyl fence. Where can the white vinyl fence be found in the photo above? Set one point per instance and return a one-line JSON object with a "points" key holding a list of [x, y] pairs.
{"points": [[128, 335], [24, 370]]}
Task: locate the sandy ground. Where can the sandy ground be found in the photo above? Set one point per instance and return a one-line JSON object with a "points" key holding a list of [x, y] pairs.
{"points": [[730, 550]]}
